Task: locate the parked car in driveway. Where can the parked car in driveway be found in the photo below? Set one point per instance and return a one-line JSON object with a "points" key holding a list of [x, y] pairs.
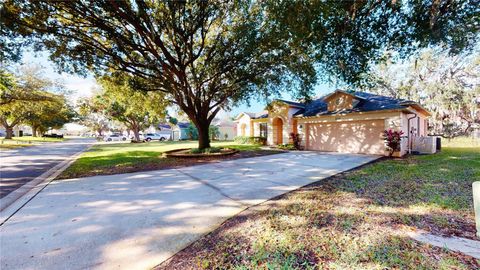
{"points": [[156, 136], [114, 137], [53, 135]]}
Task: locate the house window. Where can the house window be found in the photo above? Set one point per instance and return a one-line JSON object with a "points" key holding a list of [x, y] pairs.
{"points": [[263, 130]]}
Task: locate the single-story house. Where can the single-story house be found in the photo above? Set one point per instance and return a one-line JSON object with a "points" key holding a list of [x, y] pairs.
{"points": [[227, 128], [180, 131], [342, 121]]}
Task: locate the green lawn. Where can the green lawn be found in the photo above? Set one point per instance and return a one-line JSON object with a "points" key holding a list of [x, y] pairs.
{"points": [[25, 141], [13, 145], [132, 157], [355, 220]]}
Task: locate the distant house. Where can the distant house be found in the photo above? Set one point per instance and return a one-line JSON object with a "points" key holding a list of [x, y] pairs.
{"points": [[22, 130], [161, 128], [227, 128], [342, 121], [164, 127], [180, 131]]}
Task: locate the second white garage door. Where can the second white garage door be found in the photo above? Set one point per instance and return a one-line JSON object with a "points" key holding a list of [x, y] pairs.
{"points": [[347, 137]]}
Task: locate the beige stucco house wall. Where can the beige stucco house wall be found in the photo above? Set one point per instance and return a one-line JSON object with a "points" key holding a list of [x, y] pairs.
{"points": [[341, 130], [244, 125]]}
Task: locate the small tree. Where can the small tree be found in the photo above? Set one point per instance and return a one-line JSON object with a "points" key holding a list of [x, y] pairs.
{"points": [[296, 140], [92, 115], [393, 140], [192, 132], [23, 97], [214, 132], [173, 120], [52, 114]]}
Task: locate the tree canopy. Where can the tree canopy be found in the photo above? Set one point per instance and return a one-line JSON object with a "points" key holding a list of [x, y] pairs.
{"points": [[207, 55], [92, 114], [135, 109], [27, 98], [447, 86]]}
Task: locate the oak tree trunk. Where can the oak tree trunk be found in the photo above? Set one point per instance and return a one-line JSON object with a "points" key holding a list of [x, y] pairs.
{"points": [[9, 132], [203, 138], [34, 131], [136, 134]]}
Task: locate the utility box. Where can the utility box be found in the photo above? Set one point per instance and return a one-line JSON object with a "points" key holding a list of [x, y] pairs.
{"points": [[425, 144], [476, 204]]}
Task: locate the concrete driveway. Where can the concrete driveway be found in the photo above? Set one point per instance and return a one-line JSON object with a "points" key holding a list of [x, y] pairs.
{"points": [[138, 220]]}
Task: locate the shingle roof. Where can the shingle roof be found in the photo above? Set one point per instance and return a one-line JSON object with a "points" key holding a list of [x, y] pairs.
{"points": [[367, 102], [183, 124], [292, 103], [259, 115], [164, 126]]}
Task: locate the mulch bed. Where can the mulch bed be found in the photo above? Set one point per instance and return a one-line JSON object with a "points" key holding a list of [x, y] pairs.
{"points": [[186, 153]]}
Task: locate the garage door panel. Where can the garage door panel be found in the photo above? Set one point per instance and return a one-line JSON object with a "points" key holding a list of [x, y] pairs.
{"points": [[347, 137]]}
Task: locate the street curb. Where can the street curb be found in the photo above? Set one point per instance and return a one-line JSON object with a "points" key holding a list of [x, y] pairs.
{"points": [[13, 202]]}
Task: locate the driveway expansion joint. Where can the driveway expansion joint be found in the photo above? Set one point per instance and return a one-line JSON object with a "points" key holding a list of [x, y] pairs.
{"points": [[217, 189]]}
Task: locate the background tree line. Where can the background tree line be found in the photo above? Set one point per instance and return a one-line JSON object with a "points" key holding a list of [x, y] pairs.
{"points": [[446, 85], [26, 97]]}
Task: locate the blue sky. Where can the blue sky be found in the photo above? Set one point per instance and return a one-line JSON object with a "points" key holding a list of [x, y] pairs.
{"points": [[81, 86]]}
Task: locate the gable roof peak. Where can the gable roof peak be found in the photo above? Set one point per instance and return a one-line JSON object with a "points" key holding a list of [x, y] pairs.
{"points": [[291, 103]]}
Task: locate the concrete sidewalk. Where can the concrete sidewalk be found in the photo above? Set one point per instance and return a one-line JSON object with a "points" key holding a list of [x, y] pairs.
{"points": [[138, 220]]}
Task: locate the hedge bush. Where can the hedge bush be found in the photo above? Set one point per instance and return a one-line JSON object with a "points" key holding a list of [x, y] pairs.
{"points": [[250, 140]]}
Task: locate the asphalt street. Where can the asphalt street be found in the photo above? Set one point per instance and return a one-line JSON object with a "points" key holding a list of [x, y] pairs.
{"points": [[21, 165]]}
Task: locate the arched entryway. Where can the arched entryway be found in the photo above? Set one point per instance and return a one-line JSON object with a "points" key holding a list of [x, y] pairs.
{"points": [[277, 125]]}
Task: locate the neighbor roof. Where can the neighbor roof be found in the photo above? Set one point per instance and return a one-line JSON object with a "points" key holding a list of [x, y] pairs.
{"points": [[259, 115], [367, 102], [292, 103], [183, 124], [164, 126]]}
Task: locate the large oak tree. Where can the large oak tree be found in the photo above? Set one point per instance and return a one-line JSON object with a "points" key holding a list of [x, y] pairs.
{"points": [[207, 55]]}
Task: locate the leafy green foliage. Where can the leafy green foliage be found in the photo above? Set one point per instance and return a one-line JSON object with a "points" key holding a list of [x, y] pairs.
{"points": [[192, 132], [205, 150], [347, 37], [135, 109], [51, 114], [287, 146], [214, 132], [27, 98], [173, 120], [250, 140], [92, 114]]}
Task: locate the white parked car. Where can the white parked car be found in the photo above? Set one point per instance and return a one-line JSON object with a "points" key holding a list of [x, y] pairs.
{"points": [[114, 137], [155, 136]]}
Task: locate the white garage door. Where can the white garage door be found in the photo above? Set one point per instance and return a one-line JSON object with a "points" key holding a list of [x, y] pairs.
{"points": [[347, 137]]}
